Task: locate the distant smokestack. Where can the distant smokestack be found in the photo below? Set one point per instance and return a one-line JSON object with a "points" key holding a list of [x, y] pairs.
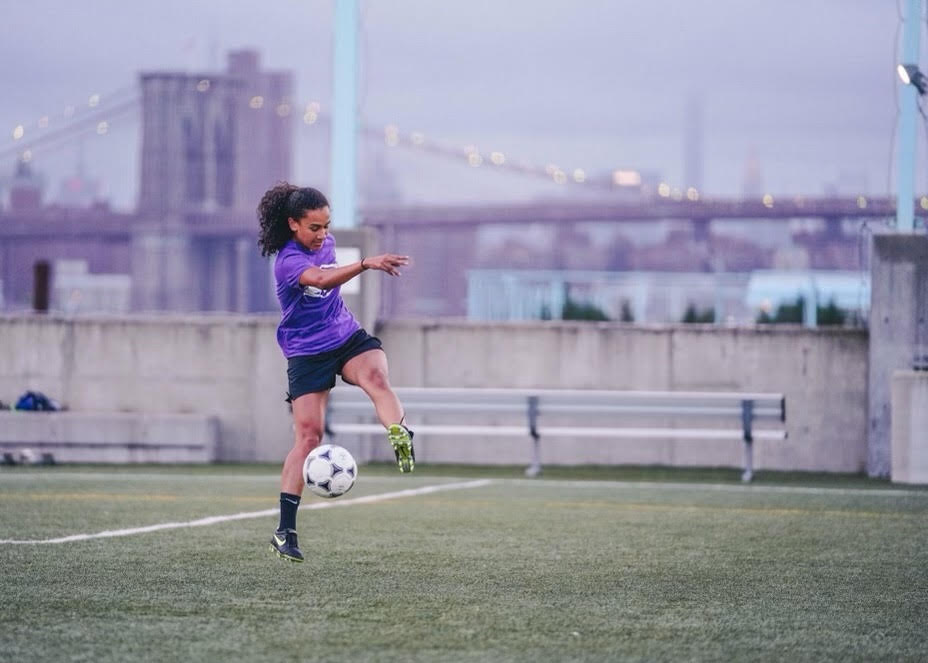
{"points": [[692, 142], [752, 185]]}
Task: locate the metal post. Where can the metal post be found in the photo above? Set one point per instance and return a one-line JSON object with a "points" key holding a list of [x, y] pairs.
{"points": [[908, 108], [810, 305], [747, 419], [534, 469], [345, 115]]}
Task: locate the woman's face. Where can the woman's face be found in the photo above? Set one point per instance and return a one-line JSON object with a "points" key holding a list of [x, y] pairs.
{"points": [[311, 229]]}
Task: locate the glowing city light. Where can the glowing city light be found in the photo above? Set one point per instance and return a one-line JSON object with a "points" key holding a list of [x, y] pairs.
{"points": [[767, 200], [498, 158], [391, 135], [560, 177], [103, 127], [94, 101], [626, 178], [283, 110], [692, 194], [579, 175], [474, 159], [203, 85], [924, 202], [27, 156], [663, 190], [310, 117], [861, 202], [256, 102], [18, 132]]}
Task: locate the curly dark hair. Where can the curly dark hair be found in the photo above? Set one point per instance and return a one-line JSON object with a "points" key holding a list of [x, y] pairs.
{"points": [[281, 202]]}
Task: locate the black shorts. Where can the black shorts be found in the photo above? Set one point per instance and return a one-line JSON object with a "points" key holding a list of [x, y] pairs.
{"points": [[309, 373]]}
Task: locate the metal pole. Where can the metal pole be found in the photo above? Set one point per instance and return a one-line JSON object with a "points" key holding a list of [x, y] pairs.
{"points": [[908, 108], [534, 469], [747, 420], [345, 115]]}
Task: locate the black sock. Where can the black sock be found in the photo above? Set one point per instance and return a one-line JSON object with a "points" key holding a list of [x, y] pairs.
{"points": [[289, 503]]}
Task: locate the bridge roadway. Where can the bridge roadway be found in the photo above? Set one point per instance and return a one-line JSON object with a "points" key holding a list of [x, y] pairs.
{"points": [[638, 210], [104, 222]]}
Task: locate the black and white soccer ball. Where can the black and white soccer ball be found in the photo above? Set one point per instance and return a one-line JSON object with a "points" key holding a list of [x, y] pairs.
{"points": [[330, 470]]}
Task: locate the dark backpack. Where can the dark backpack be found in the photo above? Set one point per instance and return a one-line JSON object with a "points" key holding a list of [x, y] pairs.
{"points": [[36, 401]]}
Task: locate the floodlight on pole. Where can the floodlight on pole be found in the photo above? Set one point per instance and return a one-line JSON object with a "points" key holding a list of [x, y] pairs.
{"points": [[910, 75], [906, 136]]}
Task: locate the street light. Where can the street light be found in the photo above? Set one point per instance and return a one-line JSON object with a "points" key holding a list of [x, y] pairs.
{"points": [[910, 75]]}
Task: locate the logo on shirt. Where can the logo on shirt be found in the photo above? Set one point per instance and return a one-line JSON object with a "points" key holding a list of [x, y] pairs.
{"points": [[313, 291]]}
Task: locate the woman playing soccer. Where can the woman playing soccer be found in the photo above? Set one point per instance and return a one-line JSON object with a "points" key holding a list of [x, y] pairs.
{"points": [[320, 337]]}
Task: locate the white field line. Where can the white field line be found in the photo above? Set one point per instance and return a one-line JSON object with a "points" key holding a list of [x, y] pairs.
{"points": [[12, 475], [718, 487], [212, 520]]}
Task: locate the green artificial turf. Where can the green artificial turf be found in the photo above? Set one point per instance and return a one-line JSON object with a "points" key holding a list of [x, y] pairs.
{"points": [[580, 567]]}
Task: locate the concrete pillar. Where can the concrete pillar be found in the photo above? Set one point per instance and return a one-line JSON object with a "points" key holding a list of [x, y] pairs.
{"points": [[243, 253], [361, 297], [164, 272], [834, 228], [701, 229], [910, 427], [146, 272], [898, 331], [221, 276], [179, 278]]}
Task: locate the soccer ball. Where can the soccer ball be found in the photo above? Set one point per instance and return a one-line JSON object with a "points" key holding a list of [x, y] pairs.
{"points": [[330, 470]]}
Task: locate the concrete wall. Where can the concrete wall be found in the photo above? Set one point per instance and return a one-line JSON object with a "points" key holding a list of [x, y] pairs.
{"points": [[822, 372], [224, 366], [230, 367], [898, 330], [910, 427]]}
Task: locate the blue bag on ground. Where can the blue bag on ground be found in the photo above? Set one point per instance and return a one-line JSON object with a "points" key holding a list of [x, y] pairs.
{"points": [[36, 401]]}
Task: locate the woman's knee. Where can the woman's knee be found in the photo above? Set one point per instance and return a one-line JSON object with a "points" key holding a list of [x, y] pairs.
{"points": [[376, 378], [308, 435]]}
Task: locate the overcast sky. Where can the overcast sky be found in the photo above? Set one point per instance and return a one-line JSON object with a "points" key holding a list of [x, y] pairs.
{"points": [[806, 87]]}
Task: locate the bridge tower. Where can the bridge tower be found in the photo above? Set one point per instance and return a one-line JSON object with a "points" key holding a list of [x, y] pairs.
{"points": [[212, 143]]}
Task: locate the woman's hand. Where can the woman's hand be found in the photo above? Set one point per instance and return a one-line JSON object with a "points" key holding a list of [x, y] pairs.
{"points": [[388, 262]]}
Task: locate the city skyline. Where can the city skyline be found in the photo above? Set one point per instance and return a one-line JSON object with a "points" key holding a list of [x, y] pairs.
{"points": [[595, 86]]}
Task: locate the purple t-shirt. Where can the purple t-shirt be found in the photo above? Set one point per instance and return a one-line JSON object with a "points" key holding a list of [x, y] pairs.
{"points": [[312, 320]]}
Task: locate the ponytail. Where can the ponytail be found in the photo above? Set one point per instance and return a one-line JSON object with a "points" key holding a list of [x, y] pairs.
{"points": [[280, 203]]}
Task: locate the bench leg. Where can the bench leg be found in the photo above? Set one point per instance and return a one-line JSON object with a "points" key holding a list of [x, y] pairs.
{"points": [[534, 469], [748, 473], [747, 419]]}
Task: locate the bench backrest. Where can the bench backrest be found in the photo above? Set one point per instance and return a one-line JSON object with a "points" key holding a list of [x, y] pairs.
{"points": [[769, 406]]}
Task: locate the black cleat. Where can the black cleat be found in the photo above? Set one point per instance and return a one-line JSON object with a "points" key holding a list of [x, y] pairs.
{"points": [[285, 544]]}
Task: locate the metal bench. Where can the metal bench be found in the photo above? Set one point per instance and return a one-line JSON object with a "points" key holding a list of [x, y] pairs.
{"points": [[572, 414]]}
